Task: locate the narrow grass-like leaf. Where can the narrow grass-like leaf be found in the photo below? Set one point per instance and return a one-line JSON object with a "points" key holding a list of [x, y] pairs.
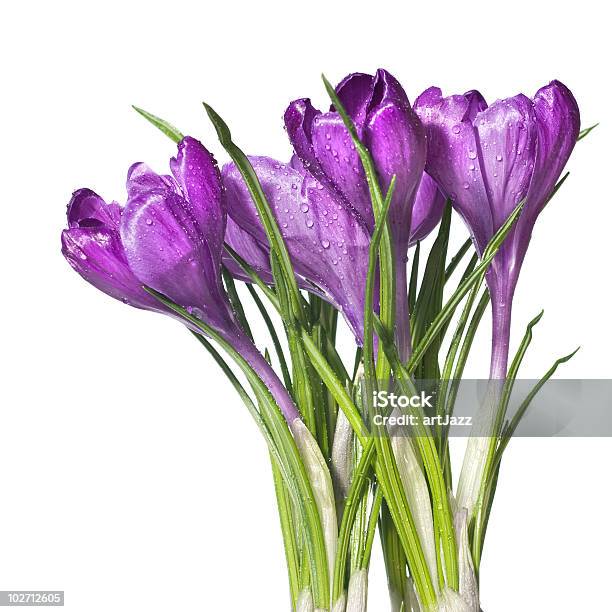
{"points": [[274, 337], [482, 518], [454, 262], [235, 301], [371, 531], [414, 278], [294, 473], [252, 274], [163, 126], [273, 233], [586, 132], [429, 301], [443, 516]]}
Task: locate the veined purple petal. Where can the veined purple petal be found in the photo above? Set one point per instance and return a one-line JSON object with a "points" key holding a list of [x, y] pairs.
{"points": [[396, 139], [166, 251], [299, 117], [427, 210], [97, 255], [195, 170], [327, 242], [355, 92], [506, 138], [453, 157], [558, 120], [142, 180], [339, 161], [93, 248], [87, 209]]}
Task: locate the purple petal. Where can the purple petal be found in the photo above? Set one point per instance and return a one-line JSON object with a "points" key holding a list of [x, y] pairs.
{"points": [[427, 210], [195, 170], [299, 117], [141, 180], [166, 251], [558, 125], [453, 157], [327, 242], [97, 255], [507, 134], [339, 161], [558, 120], [87, 209], [355, 92], [396, 139]]}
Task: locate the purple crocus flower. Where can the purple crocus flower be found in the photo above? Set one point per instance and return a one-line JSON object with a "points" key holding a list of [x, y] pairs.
{"points": [[392, 132], [487, 160], [321, 199], [168, 236]]}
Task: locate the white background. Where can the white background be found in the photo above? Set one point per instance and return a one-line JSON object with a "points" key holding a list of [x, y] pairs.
{"points": [[130, 475]]}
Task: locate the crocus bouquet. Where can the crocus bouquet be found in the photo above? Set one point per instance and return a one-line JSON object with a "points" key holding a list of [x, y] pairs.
{"points": [[328, 232]]}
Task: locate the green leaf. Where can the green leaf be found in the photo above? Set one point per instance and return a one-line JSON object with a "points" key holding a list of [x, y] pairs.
{"points": [[294, 471], [513, 371], [252, 274], [454, 262], [275, 238], [414, 278], [429, 301], [482, 518], [168, 129], [446, 398], [443, 516], [235, 301], [276, 459], [274, 337], [368, 319], [586, 132]]}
